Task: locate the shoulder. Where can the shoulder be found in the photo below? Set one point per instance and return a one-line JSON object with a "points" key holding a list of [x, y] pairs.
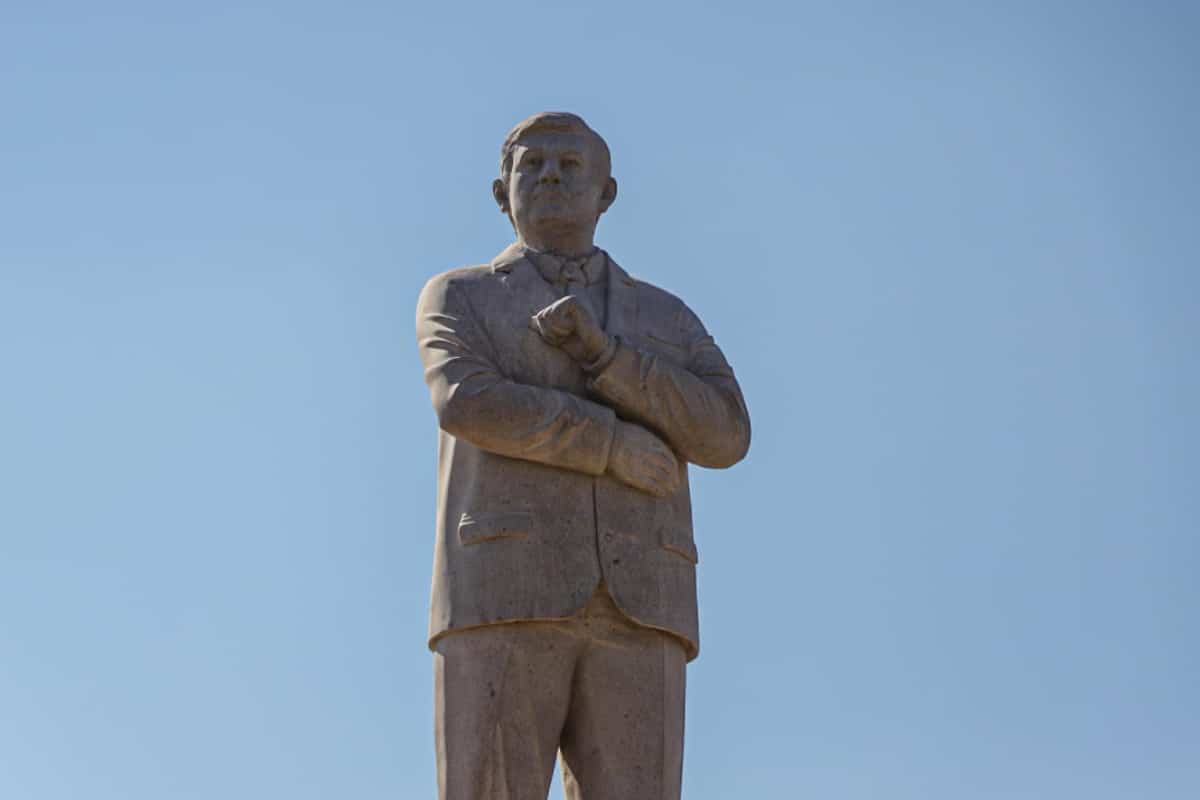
{"points": [[657, 303], [657, 298], [650, 295], [462, 277], [459, 280]]}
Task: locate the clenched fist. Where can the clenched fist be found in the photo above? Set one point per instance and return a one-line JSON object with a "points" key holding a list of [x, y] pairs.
{"points": [[643, 461], [570, 325]]}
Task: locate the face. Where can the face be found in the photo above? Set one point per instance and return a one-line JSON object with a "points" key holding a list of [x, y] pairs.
{"points": [[558, 181]]}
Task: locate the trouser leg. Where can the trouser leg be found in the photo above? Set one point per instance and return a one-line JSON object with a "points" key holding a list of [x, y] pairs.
{"points": [[501, 696], [623, 738]]}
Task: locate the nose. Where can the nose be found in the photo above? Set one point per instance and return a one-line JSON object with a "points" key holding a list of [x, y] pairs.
{"points": [[550, 172]]}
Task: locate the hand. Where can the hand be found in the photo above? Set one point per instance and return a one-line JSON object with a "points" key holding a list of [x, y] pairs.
{"points": [[569, 324], [643, 461]]}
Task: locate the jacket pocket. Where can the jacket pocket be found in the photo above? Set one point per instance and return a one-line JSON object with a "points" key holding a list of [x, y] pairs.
{"points": [[668, 338], [669, 343], [474, 528], [680, 543]]}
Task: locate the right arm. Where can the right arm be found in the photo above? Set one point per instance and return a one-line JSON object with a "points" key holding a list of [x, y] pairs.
{"points": [[478, 404]]}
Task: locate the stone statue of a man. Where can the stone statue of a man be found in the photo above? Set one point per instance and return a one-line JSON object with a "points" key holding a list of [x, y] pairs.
{"points": [[571, 397]]}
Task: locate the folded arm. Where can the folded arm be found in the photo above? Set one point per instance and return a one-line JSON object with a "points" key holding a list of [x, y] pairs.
{"points": [[698, 409], [475, 402]]}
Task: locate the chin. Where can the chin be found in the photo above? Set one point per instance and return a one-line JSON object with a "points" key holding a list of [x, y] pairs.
{"points": [[553, 221], [560, 215]]}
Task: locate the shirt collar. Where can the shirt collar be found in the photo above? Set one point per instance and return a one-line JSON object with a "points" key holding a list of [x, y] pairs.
{"points": [[549, 265]]}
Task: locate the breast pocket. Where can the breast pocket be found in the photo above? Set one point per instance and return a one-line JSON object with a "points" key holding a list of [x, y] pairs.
{"points": [[474, 528], [666, 342]]}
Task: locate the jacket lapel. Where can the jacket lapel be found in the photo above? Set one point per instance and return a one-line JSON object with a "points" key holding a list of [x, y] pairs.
{"points": [[507, 257], [622, 288], [524, 280], [622, 301]]}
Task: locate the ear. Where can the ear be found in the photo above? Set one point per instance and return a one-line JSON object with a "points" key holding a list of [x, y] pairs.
{"points": [[500, 193], [608, 195]]}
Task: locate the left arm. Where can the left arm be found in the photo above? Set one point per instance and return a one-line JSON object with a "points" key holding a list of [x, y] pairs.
{"points": [[697, 408]]}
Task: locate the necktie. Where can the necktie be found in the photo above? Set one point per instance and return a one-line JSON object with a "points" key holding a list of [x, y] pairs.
{"points": [[572, 277], [582, 277], [574, 281]]}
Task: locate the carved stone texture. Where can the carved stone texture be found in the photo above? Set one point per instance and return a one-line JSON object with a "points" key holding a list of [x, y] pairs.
{"points": [[570, 398]]}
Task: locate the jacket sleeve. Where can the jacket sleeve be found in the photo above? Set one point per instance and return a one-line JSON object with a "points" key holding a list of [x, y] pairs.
{"points": [[698, 409], [478, 404]]}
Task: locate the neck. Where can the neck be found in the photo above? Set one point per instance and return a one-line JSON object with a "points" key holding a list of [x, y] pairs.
{"points": [[563, 243]]}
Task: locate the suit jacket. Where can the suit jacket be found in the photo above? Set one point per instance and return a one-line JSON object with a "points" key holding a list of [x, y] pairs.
{"points": [[528, 523]]}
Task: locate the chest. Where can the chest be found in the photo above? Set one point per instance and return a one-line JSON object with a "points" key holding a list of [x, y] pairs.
{"points": [[523, 356]]}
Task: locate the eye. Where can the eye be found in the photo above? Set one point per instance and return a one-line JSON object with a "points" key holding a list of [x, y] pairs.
{"points": [[533, 161], [570, 163]]}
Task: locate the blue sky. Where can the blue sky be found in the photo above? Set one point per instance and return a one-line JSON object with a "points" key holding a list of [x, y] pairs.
{"points": [[950, 249]]}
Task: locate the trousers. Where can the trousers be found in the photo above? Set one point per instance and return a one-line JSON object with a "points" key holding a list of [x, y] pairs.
{"points": [[604, 692]]}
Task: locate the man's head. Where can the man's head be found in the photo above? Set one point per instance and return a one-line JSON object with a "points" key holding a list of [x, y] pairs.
{"points": [[555, 178]]}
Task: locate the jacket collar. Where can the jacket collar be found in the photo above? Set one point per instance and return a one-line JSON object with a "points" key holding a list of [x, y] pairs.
{"points": [[593, 267], [510, 256], [621, 318]]}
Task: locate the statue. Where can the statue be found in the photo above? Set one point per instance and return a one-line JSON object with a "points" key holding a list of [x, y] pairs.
{"points": [[570, 398]]}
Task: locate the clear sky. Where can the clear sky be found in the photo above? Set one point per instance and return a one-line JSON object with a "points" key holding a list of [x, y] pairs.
{"points": [[950, 249]]}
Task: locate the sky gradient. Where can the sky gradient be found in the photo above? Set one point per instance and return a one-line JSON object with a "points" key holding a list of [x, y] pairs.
{"points": [[950, 250]]}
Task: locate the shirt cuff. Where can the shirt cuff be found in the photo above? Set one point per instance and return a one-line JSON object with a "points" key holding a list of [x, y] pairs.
{"points": [[605, 358]]}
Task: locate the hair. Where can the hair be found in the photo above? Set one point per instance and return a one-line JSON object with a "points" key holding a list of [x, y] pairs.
{"points": [[558, 121]]}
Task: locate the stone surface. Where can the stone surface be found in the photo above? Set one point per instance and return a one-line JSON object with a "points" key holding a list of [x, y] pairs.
{"points": [[570, 398]]}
